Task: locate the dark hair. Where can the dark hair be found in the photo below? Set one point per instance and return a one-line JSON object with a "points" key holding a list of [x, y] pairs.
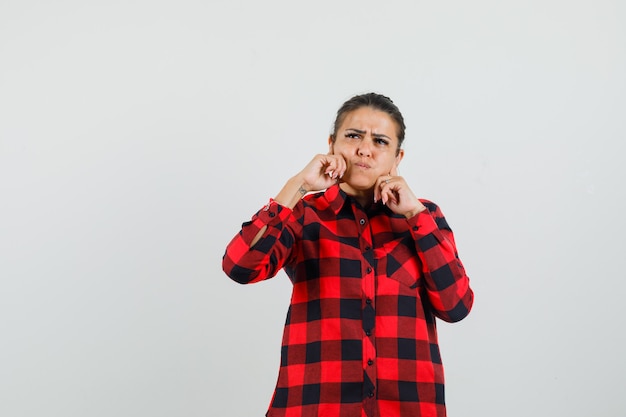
{"points": [[375, 101]]}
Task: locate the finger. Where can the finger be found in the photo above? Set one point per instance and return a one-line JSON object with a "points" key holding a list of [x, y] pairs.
{"points": [[336, 166], [389, 195], [383, 194], [386, 184], [396, 188], [386, 189], [380, 181], [340, 166], [330, 165]]}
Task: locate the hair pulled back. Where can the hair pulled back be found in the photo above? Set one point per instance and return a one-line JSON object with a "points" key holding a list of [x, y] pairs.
{"points": [[376, 102]]}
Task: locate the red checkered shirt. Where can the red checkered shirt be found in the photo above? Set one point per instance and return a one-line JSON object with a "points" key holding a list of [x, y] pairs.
{"points": [[360, 337]]}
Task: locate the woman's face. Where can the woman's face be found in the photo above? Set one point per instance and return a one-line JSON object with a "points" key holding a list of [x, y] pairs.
{"points": [[368, 141]]}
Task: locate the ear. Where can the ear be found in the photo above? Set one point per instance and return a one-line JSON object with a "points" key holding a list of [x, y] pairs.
{"points": [[331, 145], [394, 168]]}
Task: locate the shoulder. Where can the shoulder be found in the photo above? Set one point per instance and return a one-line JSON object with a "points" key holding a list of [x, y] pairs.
{"points": [[312, 201], [319, 200]]}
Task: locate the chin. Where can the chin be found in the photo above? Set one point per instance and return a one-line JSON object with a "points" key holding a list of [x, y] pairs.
{"points": [[360, 180], [360, 185]]}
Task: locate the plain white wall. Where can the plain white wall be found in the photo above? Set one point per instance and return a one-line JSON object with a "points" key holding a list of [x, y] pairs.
{"points": [[136, 136]]}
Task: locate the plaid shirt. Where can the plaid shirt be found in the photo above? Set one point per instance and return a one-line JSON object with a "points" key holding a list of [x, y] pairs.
{"points": [[360, 337]]}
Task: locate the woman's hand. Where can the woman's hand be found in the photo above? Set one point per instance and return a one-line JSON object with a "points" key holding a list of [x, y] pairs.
{"points": [[396, 194], [322, 172]]}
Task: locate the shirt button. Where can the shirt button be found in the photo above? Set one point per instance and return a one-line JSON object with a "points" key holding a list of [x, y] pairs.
{"points": [[368, 301], [371, 394], [369, 269], [370, 362], [415, 227], [272, 214], [368, 248], [368, 332], [362, 222]]}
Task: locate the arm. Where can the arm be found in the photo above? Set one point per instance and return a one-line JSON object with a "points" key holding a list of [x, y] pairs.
{"points": [[265, 243], [446, 283], [262, 246]]}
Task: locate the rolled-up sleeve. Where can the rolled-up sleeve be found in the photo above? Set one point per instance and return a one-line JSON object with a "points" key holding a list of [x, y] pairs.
{"points": [[248, 264]]}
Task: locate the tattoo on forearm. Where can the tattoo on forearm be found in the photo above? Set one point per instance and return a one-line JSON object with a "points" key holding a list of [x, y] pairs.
{"points": [[302, 191]]}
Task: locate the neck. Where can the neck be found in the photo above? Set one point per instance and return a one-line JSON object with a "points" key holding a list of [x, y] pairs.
{"points": [[364, 197]]}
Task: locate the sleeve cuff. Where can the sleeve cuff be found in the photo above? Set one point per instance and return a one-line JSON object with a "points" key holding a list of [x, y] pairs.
{"points": [[422, 224], [272, 213]]}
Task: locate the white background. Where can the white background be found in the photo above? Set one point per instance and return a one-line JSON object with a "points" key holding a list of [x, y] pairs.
{"points": [[136, 136]]}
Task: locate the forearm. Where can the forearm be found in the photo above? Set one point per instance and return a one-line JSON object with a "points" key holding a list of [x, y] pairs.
{"points": [[288, 197], [259, 250], [293, 190]]}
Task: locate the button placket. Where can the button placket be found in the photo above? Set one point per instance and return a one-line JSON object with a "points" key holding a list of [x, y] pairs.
{"points": [[368, 283]]}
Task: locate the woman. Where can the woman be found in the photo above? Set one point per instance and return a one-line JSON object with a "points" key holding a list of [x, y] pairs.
{"points": [[371, 267]]}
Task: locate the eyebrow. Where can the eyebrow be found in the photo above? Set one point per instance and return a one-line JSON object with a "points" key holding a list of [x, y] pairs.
{"points": [[362, 132]]}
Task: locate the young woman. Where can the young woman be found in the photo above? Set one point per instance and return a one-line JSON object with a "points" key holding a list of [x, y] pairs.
{"points": [[372, 266]]}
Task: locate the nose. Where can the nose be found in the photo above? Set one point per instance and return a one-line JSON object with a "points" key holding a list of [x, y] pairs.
{"points": [[365, 148]]}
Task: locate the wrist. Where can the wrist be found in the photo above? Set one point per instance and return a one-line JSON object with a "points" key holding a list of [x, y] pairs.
{"points": [[303, 187], [292, 192], [414, 212]]}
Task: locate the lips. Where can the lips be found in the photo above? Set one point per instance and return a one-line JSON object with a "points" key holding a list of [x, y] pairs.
{"points": [[362, 165]]}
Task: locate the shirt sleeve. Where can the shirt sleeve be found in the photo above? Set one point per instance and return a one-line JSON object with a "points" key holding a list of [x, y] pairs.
{"points": [[247, 264], [447, 284]]}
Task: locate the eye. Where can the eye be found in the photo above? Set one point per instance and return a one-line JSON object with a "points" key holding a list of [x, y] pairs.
{"points": [[381, 141], [352, 135]]}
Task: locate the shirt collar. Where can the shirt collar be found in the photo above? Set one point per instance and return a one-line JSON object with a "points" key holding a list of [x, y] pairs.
{"points": [[337, 198]]}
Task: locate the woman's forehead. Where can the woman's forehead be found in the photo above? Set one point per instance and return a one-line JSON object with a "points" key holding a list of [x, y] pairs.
{"points": [[371, 121], [368, 117]]}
